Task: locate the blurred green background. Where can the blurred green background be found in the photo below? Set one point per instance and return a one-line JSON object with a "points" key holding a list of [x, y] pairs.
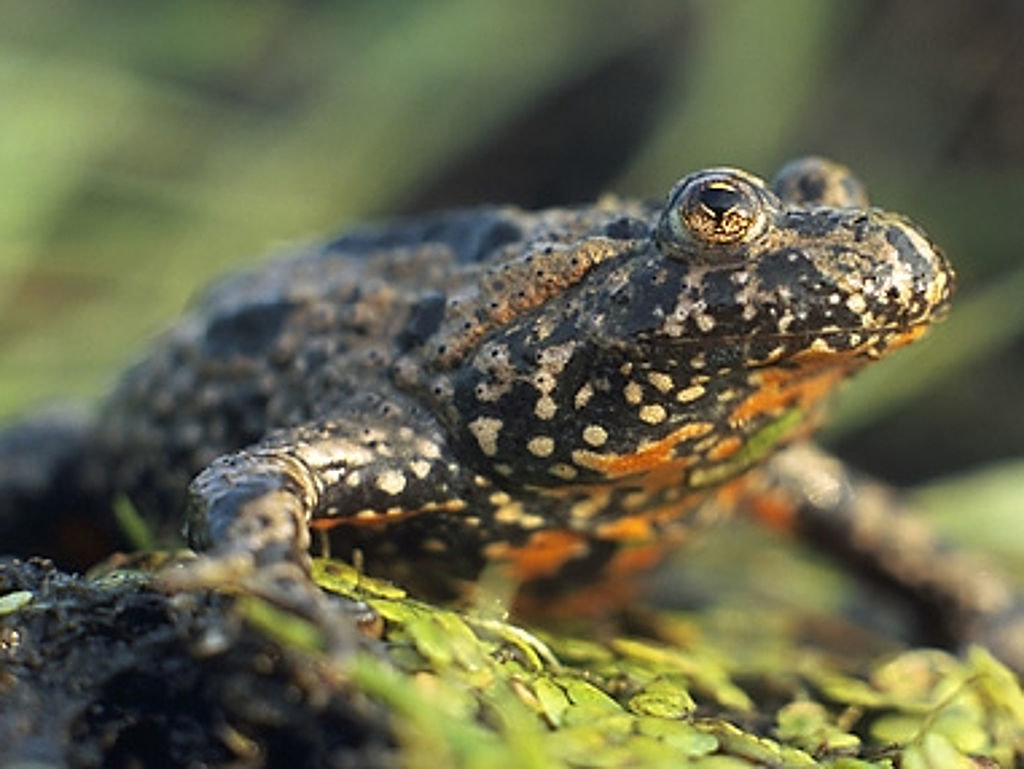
{"points": [[145, 148]]}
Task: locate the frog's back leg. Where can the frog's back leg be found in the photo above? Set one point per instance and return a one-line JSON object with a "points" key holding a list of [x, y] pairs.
{"points": [[805, 490], [52, 502]]}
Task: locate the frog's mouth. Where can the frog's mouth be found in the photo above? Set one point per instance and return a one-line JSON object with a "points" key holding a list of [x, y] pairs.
{"points": [[766, 349], [757, 350]]}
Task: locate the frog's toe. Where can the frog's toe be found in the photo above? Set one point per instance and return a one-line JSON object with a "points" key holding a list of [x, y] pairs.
{"points": [[280, 597], [1002, 633]]}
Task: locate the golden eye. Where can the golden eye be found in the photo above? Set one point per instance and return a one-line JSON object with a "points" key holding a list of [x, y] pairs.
{"points": [[711, 209]]}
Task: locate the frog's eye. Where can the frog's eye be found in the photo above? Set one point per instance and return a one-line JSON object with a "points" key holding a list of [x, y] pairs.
{"points": [[814, 181], [721, 207]]}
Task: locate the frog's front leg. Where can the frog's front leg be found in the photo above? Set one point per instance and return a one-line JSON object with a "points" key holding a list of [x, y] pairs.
{"points": [[256, 502], [259, 502], [251, 510], [805, 490]]}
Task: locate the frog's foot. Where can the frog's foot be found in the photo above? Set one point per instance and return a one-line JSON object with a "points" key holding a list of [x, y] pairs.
{"points": [[279, 596], [1002, 632], [248, 513], [865, 523]]}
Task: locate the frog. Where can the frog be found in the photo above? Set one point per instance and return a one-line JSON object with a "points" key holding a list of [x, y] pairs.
{"points": [[564, 395]]}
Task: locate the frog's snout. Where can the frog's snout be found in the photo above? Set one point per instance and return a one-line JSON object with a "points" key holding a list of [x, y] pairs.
{"points": [[921, 272]]}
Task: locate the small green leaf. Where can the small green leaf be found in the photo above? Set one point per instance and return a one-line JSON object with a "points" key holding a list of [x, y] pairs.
{"points": [[935, 752], [664, 698], [684, 739], [281, 625], [552, 700], [15, 600], [134, 527]]}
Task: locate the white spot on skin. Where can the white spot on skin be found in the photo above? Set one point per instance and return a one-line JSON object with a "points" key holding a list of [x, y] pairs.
{"points": [[541, 446], [453, 505], [332, 476], [544, 381], [856, 304], [545, 407], [633, 393], [420, 468], [499, 498], [595, 435], [563, 471], [691, 393], [662, 382], [705, 322], [583, 396], [491, 393], [485, 430], [532, 521], [353, 479], [673, 326], [557, 356], [509, 513], [391, 482], [332, 452], [428, 449], [585, 508], [701, 446], [653, 414], [496, 356]]}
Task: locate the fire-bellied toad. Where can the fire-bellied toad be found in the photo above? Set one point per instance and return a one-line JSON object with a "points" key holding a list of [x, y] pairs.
{"points": [[567, 392]]}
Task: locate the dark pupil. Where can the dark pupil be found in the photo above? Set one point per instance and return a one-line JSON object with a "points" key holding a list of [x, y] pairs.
{"points": [[719, 200]]}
